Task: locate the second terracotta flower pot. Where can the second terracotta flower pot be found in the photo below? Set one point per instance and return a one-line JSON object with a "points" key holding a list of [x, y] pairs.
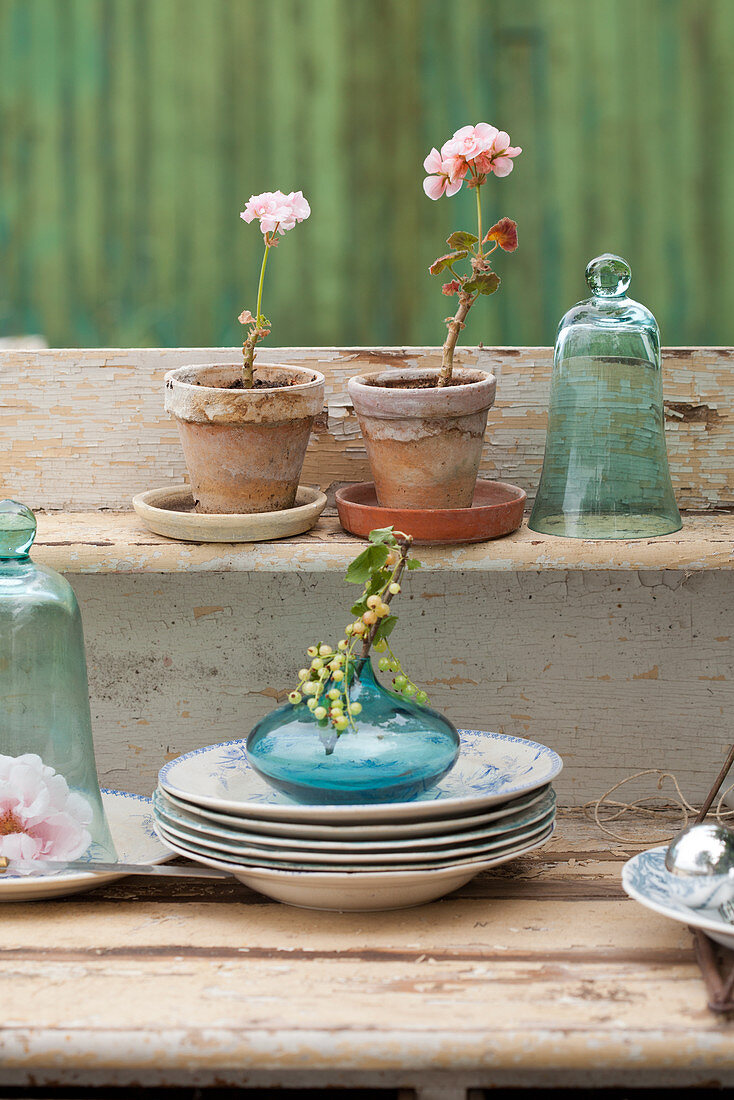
{"points": [[424, 444], [244, 449]]}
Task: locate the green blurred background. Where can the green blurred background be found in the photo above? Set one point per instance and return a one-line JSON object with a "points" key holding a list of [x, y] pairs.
{"points": [[133, 131]]}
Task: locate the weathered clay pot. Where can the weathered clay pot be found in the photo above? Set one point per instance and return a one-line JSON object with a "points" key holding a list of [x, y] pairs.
{"points": [[244, 449], [423, 445]]}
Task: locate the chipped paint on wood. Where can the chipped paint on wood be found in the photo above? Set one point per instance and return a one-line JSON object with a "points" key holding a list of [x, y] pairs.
{"points": [[109, 542], [553, 984], [85, 429], [617, 671]]}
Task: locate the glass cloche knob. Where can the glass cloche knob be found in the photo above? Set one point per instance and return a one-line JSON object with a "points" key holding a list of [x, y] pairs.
{"points": [[608, 276], [17, 529]]}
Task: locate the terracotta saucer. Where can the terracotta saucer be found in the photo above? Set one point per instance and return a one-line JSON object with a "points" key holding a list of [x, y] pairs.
{"points": [[497, 510], [170, 512]]}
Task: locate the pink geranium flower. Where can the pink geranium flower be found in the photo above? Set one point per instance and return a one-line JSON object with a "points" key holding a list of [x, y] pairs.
{"points": [[478, 150], [276, 211], [40, 818], [502, 154], [439, 182]]}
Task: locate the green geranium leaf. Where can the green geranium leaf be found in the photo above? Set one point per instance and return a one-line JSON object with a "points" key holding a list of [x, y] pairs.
{"points": [[486, 282], [443, 262], [460, 239], [368, 562]]}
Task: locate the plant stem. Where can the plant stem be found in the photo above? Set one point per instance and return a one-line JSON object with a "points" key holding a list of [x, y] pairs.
{"points": [[479, 219], [404, 542], [248, 348], [260, 286], [455, 327]]}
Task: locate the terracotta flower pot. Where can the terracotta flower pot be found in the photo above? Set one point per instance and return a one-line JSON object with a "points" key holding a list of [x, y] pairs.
{"points": [[424, 444], [244, 449]]}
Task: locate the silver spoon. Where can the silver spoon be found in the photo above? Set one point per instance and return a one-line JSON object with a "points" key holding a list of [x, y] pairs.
{"points": [[703, 849]]}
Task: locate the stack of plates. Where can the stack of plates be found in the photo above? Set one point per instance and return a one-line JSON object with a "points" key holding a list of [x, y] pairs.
{"points": [[495, 804]]}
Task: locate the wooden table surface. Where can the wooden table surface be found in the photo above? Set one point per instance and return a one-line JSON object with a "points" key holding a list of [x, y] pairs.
{"points": [[539, 973]]}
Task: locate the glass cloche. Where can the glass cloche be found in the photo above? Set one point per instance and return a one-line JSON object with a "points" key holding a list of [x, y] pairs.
{"points": [[605, 472], [50, 803]]}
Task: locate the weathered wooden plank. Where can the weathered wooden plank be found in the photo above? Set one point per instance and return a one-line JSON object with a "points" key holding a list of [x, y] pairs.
{"points": [[266, 989], [115, 542], [85, 429]]}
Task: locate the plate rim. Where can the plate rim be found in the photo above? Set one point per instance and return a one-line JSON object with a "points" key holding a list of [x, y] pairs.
{"points": [[20, 885], [685, 915], [366, 878], [388, 846], [365, 811], [388, 830]]}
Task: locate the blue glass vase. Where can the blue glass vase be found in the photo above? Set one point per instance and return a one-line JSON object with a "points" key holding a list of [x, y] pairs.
{"points": [[398, 750]]}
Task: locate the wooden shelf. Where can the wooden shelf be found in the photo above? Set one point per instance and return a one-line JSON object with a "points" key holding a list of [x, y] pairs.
{"points": [[538, 974], [117, 542]]}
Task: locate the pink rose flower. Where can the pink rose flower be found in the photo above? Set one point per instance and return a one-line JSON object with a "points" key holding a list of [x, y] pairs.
{"points": [[440, 181], [40, 818], [274, 210]]}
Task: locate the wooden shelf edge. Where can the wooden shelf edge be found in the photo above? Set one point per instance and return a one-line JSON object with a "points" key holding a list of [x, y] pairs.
{"points": [[117, 542]]}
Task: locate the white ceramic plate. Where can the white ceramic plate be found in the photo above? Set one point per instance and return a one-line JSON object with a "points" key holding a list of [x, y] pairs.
{"points": [[170, 512], [423, 861], [645, 878], [360, 891], [130, 818], [188, 827], [336, 830], [492, 768]]}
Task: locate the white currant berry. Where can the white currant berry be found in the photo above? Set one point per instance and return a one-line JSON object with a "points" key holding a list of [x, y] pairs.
{"points": [[294, 697], [320, 713]]}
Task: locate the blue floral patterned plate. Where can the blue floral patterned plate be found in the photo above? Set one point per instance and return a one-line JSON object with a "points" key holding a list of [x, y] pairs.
{"points": [[131, 823], [645, 878], [492, 768]]}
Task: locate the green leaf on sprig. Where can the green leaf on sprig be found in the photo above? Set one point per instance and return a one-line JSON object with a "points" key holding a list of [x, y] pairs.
{"points": [[385, 627], [460, 239], [366, 563], [443, 262], [413, 563], [377, 581], [383, 535], [486, 282]]}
